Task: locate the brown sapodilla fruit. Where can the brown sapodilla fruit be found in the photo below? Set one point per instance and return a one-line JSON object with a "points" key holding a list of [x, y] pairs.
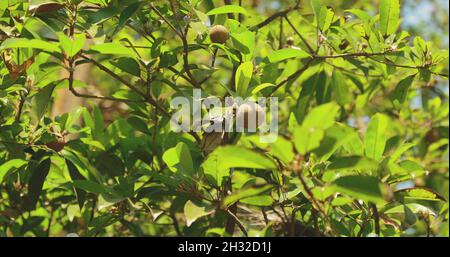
{"points": [[250, 116], [219, 34], [56, 145]]}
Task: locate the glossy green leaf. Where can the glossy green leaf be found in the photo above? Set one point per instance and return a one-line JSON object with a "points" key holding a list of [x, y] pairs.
{"points": [[179, 159], [227, 9], [76, 175], [401, 91], [193, 212], [245, 193], [260, 200], [389, 16], [353, 163], [287, 53], [71, 46], [29, 43], [128, 12], [244, 75], [341, 89], [218, 163], [112, 48], [90, 186], [10, 165], [36, 183], [376, 138], [361, 187]]}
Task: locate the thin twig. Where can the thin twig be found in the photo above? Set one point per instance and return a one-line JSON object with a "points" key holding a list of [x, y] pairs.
{"points": [[298, 33], [237, 221], [376, 218], [275, 16]]}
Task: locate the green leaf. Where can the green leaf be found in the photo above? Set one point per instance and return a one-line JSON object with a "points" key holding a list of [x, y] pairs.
{"points": [[102, 15], [321, 117], [245, 193], [127, 13], [316, 5], [36, 183], [227, 9], [308, 136], [179, 159], [306, 95], [69, 46], [261, 87], [353, 163], [29, 43], [415, 194], [108, 163], [214, 169], [389, 16], [193, 212], [218, 163], [375, 138], [325, 18], [414, 207], [113, 49], [76, 175], [244, 75], [335, 137], [341, 89], [287, 53], [282, 149], [401, 91], [361, 187], [90, 186], [13, 164], [399, 151], [244, 42], [238, 157], [306, 140], [364, 16], [260, 200]]}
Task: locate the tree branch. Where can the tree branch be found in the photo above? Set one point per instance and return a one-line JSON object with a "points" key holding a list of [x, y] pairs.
{"points": [[237, 221]]}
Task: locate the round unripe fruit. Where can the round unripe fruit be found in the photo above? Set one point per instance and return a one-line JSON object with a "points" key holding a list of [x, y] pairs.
{"points": [[219, 34], [250, 116], [56, 145]]}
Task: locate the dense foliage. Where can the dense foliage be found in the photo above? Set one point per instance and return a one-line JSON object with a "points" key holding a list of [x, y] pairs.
{"points": [[362, 148]]}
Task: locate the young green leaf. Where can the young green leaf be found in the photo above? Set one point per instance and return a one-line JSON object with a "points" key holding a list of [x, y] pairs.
{"points": [[401, 91], [179, 159], [227, 9], [389, 16], [287, 53], [353, 163], [10, 165], [376, 138], [113, 49], [361, 187], [193, 211], [245, 193], [29, 43], [244, 75], [71, 46]]}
